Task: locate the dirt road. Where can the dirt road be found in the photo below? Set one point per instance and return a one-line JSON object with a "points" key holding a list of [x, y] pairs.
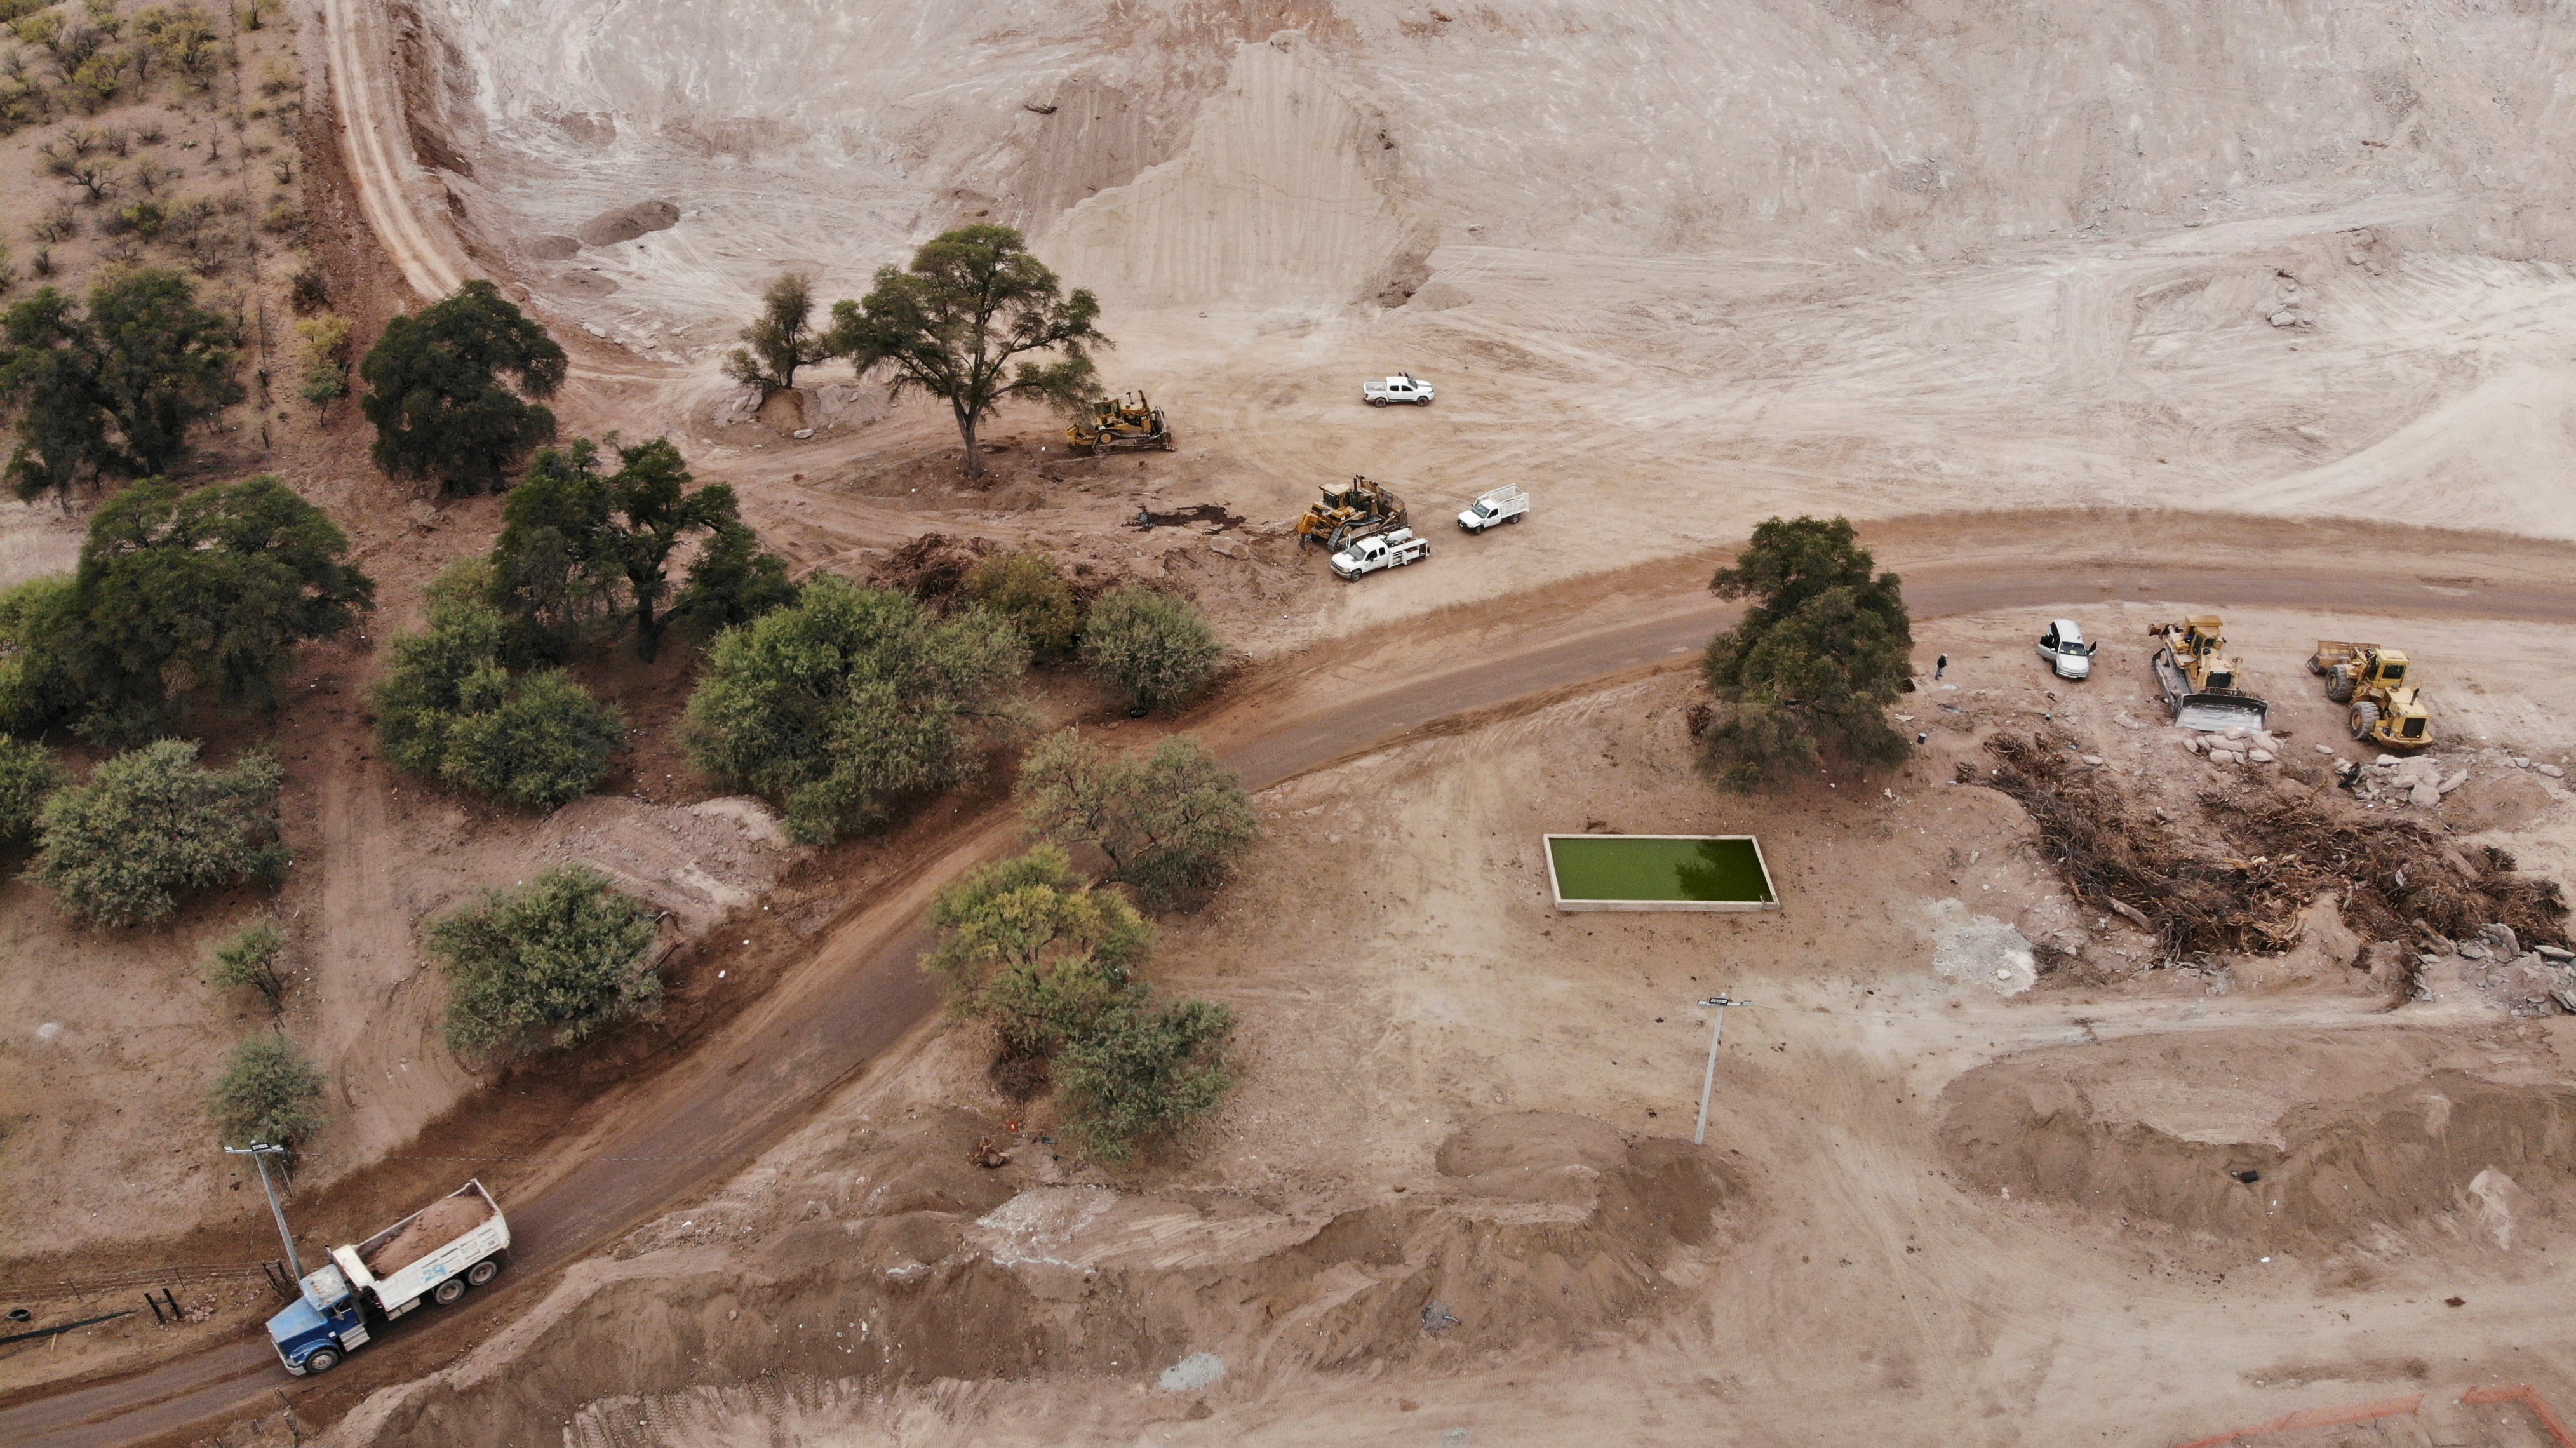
{"points": [[860, 993]]}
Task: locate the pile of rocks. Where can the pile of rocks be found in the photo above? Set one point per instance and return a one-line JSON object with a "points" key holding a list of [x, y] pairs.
{"points": [[2539, 981], [2536, 767], [2420, 781], [2239, 745]]}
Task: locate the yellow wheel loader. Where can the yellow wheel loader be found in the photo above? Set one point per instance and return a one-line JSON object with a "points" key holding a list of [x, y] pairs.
{"points": [[1349, 511], [2199, 677], [2387, 708], [1124, 424]]}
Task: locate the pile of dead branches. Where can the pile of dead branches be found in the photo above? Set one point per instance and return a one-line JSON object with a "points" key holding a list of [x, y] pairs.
{"points": [[933, 568], [2111, 858], [2392, 872], [2387, 872]]}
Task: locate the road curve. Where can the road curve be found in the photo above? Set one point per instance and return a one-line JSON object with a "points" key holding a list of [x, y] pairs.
{"points": [[861, 992]]}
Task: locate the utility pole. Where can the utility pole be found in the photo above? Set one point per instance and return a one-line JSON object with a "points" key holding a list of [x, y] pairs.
{"points": [[260, 1151], [1707, 1082]]}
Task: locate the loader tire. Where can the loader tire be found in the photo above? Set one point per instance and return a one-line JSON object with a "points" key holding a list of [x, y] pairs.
{"points": [[2365, 719], [2339, 687]]}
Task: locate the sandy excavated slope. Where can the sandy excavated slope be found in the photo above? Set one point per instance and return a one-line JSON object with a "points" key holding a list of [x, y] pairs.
{"points": [[1708, 260]]}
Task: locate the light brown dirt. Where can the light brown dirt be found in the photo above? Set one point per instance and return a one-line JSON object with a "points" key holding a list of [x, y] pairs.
{"points": [[1916, 1222], [438, 1224]]}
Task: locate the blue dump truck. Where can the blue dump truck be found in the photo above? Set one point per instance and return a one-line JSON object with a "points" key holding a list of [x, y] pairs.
{"points": [[433, 1255]]}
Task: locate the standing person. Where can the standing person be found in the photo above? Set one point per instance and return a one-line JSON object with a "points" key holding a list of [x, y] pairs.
{"points": [[1940, 666]]}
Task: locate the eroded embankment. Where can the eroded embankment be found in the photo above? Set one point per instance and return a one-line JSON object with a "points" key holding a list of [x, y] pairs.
{"points": [[2281, 1147], [1540, 1230]]}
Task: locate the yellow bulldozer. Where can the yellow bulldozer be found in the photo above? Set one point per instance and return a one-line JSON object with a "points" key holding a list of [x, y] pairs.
{"points": [[1120, 424], [2387, 708], [2199, 677], [1347, 511]]}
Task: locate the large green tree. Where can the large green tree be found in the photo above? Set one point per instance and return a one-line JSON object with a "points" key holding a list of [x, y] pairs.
{"points": [[271, 1091], [1146, 1072], [577, 540], [850, 701], [1810, 671], [437, 396], [209, 589], [954, 324], [115, 391]]}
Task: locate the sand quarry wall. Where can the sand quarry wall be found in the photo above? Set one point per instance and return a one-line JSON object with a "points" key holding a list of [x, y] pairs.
{"points": [[1179, 154]]}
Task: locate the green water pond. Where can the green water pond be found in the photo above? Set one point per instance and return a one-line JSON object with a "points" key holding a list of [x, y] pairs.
{"points": [[1643, 867]]}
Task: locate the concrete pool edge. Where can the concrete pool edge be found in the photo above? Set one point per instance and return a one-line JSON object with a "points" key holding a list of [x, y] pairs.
{"points": [[1556, 889]]}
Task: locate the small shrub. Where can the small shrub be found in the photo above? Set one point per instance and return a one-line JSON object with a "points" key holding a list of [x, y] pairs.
{"points": [[309, 291], [1029, 592], [447, 708], [1145, 1073], [1171, 821], [149, 826], [144, 218], [850, 702], [1029, 946], [59, 223], [270, 1092], [539, 742], [547, 964], [322, 350], [27, 774], [1151, 646], [284, 218], [251, 959]]}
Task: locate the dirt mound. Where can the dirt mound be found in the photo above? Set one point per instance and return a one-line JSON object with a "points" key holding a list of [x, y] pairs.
{"points": [[443, 1222], [2283, 851], [949, 1283], [628, 222], [2203, 1144]]}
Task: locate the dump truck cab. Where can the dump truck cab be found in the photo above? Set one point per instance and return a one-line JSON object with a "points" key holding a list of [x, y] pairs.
{"points": [[325, 1323]]}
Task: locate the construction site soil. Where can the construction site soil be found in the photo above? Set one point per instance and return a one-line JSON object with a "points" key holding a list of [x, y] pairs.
{"points": [[2238, 310]]}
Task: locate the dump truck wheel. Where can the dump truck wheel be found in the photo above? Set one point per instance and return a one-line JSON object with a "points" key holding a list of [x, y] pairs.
{"points": [[322, 1361], [2365, 719], [482, 1272], [446, 1293]]}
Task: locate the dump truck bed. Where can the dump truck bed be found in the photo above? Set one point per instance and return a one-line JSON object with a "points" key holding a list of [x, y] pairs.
{"points": [[404, 1284]]}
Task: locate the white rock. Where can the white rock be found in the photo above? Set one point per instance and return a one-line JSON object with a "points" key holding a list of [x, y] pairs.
{"points": [[2194, 743], [2225, 756], [2426, 795], [2519, 762], [2455, 781], [2259, 756], [2093, 759], [2552, 770], [2325, 749], [802, 432], [2388, 761]]}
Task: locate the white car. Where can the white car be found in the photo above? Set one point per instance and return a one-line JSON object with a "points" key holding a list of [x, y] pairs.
{"points": [[2065, 649], [1402, 387]]}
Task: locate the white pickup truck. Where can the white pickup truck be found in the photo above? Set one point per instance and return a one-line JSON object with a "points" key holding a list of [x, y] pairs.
{"points": [[1381, 550], [1402, 387], [1506, 504]]}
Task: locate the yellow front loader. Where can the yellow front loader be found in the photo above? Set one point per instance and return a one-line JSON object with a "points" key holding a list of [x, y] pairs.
{"points": [[2387, 708]]}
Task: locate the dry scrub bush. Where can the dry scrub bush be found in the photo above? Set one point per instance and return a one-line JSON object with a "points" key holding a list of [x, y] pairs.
{"points": [[550, 963], [149, 827], [270, 1092]]}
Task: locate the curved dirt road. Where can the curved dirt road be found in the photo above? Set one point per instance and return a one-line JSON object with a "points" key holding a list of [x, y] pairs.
{"points": [[860, 993]]}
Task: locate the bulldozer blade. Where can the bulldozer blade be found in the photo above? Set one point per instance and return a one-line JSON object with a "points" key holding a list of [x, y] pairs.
{"points": [[2218, 713]]}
